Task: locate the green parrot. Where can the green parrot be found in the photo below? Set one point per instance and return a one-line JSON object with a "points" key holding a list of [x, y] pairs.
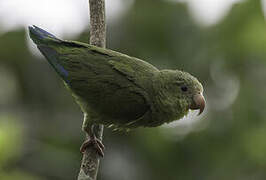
{"points": [[117, 90]]}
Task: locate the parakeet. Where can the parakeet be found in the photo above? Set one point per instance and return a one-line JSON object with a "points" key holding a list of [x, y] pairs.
{"points": [[117, 90]]}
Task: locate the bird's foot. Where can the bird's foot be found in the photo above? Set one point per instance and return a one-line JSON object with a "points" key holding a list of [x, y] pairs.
{"points": [[95, 143]]}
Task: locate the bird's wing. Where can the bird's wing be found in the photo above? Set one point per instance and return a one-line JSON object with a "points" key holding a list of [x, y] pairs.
{"points": [[111, 83], [136, 70]]}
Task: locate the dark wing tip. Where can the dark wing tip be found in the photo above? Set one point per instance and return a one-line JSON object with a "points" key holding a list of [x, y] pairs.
{"points": [[40, 34]]}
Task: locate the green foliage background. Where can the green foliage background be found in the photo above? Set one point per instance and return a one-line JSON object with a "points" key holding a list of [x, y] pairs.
{"points": [[40, 126]]}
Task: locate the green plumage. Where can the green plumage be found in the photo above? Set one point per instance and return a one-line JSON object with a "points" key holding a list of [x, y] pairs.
{"points": [[116, 89]]}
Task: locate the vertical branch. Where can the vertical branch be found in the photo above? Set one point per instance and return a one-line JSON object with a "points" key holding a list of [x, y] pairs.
{"points": [[97, 23], [91, 160]]}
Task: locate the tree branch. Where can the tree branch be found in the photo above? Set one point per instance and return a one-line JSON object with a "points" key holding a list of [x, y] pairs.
{"points": [[91, 160], [97, 23]]}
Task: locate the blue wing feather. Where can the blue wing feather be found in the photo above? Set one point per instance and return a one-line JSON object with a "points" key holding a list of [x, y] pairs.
{"points": [[40, 33], [52, 57], [43, 38]]}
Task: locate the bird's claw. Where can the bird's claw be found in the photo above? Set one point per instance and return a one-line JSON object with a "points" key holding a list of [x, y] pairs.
{"points": [[95, 143]]}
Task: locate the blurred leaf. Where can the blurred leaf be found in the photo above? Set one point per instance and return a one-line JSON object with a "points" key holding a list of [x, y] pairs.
{"points": [[17, 175], [11, 139]]}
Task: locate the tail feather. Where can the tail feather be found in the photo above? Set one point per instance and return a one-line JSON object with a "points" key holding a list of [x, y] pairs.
{"points": [[47, 43], [40, 36], [53, 58]]}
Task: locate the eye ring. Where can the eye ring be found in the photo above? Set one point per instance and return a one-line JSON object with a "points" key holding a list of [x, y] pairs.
{"points": [[184, 88]]}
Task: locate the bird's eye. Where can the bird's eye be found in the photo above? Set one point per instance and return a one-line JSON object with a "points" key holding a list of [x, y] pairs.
{"points": [[184, 88]]}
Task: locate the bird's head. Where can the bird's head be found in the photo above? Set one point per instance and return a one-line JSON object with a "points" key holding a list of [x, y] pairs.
{"points": [[184, 89]]}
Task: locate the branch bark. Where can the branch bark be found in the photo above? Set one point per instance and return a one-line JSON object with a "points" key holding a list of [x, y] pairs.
{"points": [[91, 160]]}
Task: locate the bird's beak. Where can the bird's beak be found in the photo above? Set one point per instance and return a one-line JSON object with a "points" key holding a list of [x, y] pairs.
{"points": [[198, 103]]}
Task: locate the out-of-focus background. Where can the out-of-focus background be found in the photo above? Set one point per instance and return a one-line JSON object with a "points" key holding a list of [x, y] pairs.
{"points": [[222, 42]]}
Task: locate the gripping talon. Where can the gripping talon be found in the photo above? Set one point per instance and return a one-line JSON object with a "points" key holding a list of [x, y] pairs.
{"points": [[95, 143], [100, 144]]}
